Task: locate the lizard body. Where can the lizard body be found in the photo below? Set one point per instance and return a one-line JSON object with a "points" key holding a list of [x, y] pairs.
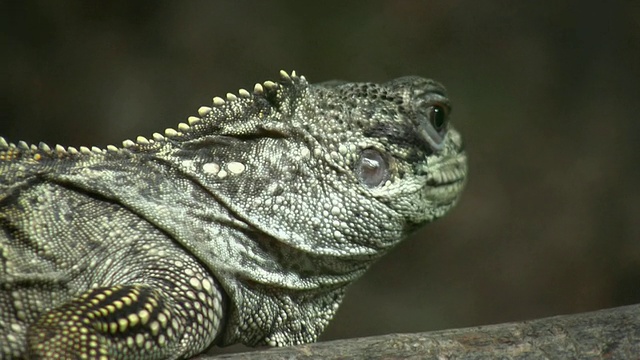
{"points": [[243, 225]]}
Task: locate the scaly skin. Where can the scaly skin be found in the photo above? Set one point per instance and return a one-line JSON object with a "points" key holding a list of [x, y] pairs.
{"points": [[243, 226]]}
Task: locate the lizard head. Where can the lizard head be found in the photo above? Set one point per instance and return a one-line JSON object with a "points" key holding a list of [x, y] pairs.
{"points": [[394, 144]]}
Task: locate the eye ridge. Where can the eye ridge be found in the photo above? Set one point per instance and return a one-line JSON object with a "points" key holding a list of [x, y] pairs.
{"points": [[372, 168]]}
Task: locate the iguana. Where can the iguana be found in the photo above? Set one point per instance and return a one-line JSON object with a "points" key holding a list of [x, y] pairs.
{"points": [[243, 225]]}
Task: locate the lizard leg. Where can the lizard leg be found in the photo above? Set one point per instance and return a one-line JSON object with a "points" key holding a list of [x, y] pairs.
{"points": [[129, 321]]}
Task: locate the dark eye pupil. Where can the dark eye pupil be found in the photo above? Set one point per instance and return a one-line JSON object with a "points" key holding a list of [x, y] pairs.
{"points": [[372, 169], [437, 117]]}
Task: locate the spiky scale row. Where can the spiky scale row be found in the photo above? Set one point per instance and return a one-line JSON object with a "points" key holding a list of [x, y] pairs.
{"points": [[259, 89], [58, 150], [286, 78], [44, 149]]}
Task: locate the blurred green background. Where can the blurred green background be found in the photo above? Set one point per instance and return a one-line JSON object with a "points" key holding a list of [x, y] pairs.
{"points": [[546, 95]]}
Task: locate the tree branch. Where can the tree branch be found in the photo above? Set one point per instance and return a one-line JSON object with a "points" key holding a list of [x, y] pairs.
{"points": [[611, 334]]}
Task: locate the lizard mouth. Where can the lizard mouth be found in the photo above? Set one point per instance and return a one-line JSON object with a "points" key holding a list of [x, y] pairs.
{"points": [[450, 172], [447, 178], [445, 182]]}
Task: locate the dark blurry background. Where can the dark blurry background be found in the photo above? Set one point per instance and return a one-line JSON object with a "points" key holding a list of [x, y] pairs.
{"points": [[546, 95]]}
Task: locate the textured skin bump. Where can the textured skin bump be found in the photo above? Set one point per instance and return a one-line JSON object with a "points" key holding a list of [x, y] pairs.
{"points": [[244, 224]]}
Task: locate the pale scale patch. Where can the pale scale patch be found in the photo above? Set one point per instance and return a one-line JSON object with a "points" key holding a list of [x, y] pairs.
{"points": [[235, 167], [139, 340], [195, 283], [188, 165], [211, 168], [206, 284], [154, 327], [123, 324]]}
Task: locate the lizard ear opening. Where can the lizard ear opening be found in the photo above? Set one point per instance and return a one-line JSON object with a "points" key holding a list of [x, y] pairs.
{"points": [[372, 168]]}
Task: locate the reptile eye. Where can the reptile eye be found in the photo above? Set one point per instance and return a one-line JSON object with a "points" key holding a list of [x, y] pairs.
{"points": [[372, 168], [437, 117], [433, 121]]}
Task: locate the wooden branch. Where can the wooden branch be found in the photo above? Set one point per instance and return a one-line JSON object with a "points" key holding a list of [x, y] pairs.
{"points": [[605, 334]]}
